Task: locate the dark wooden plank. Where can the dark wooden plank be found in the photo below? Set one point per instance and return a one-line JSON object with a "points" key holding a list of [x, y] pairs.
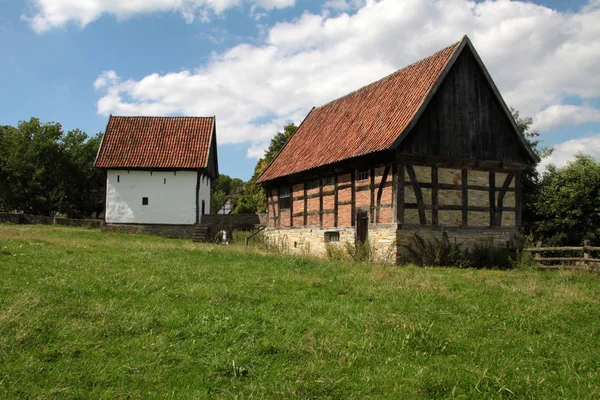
{"points": [[335, 201], [518, 197], [345, 203], [291, 206], [418, 194], [305, 204], [434, 195], [394, 192], [400, 195], [465, 197], [353, 197], [492, 176], [447, 186], [372, 198], [501, 194], [321, 203], [382, 184], [450, 207]]}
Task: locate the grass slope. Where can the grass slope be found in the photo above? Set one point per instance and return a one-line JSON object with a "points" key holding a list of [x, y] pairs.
{"points": [[90, 314]]}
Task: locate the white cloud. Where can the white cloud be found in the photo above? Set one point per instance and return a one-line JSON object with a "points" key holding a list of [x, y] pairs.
{"points": [[537, 57], [51, 14], [560, 115], [567, 151]]}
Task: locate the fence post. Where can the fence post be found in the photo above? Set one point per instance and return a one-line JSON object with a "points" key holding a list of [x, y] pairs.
{"points": [[538, 254], [586, 253]]}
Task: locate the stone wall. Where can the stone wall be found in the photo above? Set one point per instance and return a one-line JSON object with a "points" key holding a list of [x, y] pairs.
{"points": [[168, 231], [387, 242], [313, 241], [25, 219]]}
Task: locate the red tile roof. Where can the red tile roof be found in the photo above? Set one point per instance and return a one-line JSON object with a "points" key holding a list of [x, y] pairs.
{"points": [[365, 121], [156, 142]]}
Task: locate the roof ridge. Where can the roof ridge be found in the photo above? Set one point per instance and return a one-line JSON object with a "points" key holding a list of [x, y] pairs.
{"points": [[163, 116], [455, 44]]}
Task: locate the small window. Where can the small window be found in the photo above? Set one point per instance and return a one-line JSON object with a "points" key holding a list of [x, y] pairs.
{"points": [[313, 185], [118, 178], [285, 198], [362, 176], [332, 237], [144, 201], [330, 180], [165, 181]]}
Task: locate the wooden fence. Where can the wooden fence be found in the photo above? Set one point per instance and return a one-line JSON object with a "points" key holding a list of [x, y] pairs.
{"points": [[586, 262]]}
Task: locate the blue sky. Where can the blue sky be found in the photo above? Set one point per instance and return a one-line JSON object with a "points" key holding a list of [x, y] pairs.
{"points": [[258, 64]]}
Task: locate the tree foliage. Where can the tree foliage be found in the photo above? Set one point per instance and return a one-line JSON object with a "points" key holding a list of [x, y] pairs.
{"points": [[44, 171], [530, 180], [253, 199], [225, 188], [568, 203]]}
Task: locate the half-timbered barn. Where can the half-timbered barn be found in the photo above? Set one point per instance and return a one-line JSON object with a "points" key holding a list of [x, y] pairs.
{"points": [[427, 149], [158, 172]]}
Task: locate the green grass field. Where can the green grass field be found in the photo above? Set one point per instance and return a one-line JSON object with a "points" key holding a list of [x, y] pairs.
{"points": [[85, 314]]}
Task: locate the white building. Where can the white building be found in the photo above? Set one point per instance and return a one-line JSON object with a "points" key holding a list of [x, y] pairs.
{"points": [[158, 169]]}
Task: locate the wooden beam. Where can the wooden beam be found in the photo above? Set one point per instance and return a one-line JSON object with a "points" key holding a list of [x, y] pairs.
{"points": [[386, 172], [492, 175], [320, 202], [501, 195], [394, 192], [434, 195], [305, 205], [353, 196], [400, 195], [418, 194], [518, 197], [335, 201], [465, 197], [372, 200], [291, 206]]}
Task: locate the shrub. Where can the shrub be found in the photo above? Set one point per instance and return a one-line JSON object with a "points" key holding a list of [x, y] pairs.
{"points": [[436, 253], [335, 252], [360, 251]]}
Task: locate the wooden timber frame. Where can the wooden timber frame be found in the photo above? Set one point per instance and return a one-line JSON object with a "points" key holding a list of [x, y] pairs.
{"points": [[400, 175]]}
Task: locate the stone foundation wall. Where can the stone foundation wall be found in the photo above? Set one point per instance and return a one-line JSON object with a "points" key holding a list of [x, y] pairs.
{"points": [[387, 242], [168, 231], [313, 241]]}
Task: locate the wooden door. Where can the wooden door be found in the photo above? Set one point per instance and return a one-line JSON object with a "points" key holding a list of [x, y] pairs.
{"points": [[362, 226]]}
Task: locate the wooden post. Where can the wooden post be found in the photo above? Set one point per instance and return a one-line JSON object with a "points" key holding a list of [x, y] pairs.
{"points": [[335, 201], [400, 195], [434, 195], [291, 206], [353, 196], [538, 254], [586, 253], [305, 205], [320, 202], [394, 193], [465, 197], [372, 201], [492, 198]]}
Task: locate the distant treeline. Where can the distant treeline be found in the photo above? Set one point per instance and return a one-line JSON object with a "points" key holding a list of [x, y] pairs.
{"points": [[45, 171]]}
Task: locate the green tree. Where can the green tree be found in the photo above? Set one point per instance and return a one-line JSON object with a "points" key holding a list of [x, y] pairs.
{"points": [[44, 171], [253, 199], [225, 188], [530, 180], [568, 203]]}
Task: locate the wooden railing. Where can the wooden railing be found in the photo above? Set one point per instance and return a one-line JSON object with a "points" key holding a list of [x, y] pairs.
{"points": [[586, 262]]}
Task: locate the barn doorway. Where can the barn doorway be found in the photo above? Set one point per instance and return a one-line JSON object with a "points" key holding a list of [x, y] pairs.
{"points": [[362, 226]]}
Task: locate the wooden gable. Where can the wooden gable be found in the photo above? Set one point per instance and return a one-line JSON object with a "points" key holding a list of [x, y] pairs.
{"points": [[466, 118]]}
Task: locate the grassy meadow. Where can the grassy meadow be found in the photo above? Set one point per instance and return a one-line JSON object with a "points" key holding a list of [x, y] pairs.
{"points": [[85, 314]]}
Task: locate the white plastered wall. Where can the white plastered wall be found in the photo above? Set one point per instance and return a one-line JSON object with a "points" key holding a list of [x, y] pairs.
{"points": [[171, 197], [204, 194]]}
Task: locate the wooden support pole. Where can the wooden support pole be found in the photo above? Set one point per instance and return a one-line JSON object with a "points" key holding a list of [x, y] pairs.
{"points": [[353, 196], [492, 198], [400, 195], [586, 253], [434, 195], [305, 205], [372, 200], [418, 194], [394, 193], [465, 197], [320, 202], [291, 206], [335, 201], [518, 201]]}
